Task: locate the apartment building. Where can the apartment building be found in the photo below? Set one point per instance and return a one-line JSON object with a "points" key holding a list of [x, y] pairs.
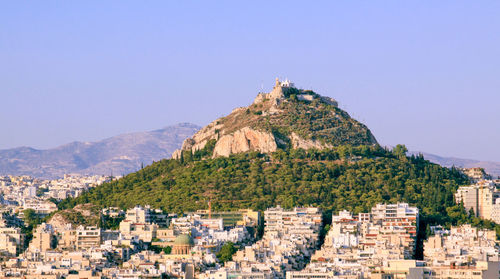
{"points": [[44, 239], [481, 197], [11, 241], [88, 237]]}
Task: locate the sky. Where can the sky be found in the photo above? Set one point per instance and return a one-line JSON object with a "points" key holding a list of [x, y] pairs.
{"points": [[421, 73]]}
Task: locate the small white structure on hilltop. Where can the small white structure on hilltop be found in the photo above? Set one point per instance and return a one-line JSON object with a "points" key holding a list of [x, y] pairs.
{"points": [[286, 83]]}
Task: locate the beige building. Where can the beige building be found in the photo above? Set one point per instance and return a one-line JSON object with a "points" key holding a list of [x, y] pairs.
{"points": [[43, 239], [481, 198], [166, 235], [144, 231], [482, 270], [88, 237], [250, 218], [495, 213], [11, 241], [67, 240]]}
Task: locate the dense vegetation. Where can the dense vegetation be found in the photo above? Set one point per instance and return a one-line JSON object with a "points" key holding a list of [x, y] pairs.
{"points": [[353, 178]]}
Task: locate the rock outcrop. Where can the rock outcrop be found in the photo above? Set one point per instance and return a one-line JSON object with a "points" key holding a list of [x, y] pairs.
{"points": [[298, 142], [285, 117], [243, 140], [83, 214]]}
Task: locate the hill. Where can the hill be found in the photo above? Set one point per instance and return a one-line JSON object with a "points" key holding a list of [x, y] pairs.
{"points": [[347, 177], [286, 117], [290, 147], [294, 148], [121, 154]]}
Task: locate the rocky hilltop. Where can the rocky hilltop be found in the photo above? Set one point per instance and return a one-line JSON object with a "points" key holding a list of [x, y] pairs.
{"points": [[286, 117], [82, 214]]}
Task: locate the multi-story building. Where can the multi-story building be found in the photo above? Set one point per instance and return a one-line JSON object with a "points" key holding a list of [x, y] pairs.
{"points": [[146, 215], [482, 270], [43, 239], [481, 198], [11, 241], [88, 237], [495, 212], [461, 245], [462, 252], [143, 231]]}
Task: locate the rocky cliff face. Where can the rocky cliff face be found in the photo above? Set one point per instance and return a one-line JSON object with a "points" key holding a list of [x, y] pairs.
{"points": [[243, 140], [286, 117]]}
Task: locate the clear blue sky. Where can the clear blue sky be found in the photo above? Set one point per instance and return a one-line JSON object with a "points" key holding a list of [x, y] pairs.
{"points": [[422, 73]]}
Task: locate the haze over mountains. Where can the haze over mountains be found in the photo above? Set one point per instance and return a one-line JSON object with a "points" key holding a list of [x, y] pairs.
{"points": [[125, 153], [492, 168], [118, 155]]}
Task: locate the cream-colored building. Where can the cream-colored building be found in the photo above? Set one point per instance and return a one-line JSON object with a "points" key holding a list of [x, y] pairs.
{"points": [[88, 237], [43, 239], [482, 270], [147, 215], [144, 231], [481, 198], [475, 174], [166, 235], [11, 241]]}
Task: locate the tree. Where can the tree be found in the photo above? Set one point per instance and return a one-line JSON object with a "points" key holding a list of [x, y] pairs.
{"points": [[226, 252], [31, 218], [167, 250], [400, 151]]}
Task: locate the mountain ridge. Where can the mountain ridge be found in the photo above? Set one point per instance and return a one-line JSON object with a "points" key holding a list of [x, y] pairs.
{"points": [[119, 154], [491, 167]]}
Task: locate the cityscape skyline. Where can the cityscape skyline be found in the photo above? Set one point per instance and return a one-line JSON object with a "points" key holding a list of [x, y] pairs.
{"points": [[250, 140]]}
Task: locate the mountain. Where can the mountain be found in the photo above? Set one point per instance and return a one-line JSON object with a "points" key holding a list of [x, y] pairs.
{"points": [[118, 155], [492, 168], [290, 147], [285, 117]]}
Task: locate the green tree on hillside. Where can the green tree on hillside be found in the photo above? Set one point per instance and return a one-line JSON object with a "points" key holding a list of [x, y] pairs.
{"points": [[226, 252], [400, 151]]}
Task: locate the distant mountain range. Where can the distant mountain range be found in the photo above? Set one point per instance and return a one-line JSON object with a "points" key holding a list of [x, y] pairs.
{"points": [[492, 168], [118, 155]]}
